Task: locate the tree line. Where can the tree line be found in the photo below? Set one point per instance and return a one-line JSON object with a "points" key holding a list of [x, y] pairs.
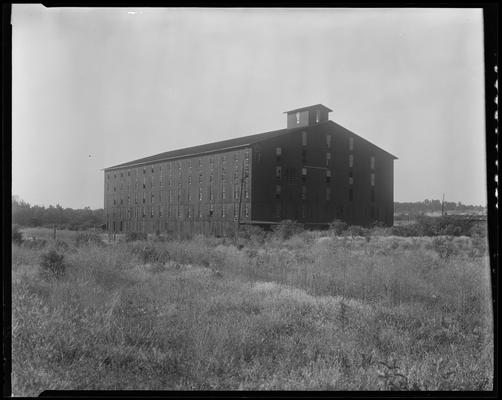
{"points": [[24, 214], [426, 206]]}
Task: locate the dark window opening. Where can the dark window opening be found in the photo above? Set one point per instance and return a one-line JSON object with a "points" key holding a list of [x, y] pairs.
{"points": [[351, 195], [291, 175], [304, 156], [372, 195]]}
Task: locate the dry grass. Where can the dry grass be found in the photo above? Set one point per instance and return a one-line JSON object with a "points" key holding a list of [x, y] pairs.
{"points": [[308, 313]]}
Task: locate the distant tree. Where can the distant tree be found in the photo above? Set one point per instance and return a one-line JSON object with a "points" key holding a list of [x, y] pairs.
{"points": [[77, 219]]}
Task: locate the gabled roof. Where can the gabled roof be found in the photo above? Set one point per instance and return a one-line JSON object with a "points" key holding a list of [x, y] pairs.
{"points": [[308, 108], [361, 138], [232, 144], [206, 148]]}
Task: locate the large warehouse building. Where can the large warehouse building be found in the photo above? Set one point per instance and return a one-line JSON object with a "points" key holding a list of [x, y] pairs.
{"points": [[314, 171]]}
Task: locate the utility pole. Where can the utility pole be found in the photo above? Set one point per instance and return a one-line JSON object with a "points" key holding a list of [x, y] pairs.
{"points": [[240, 203], [442, 206]]}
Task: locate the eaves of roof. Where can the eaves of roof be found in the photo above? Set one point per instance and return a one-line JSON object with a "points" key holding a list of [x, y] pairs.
{"points": [[230, 144]]}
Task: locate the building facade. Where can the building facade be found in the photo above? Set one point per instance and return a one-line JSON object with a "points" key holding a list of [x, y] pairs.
{"points": [[314, 171]]}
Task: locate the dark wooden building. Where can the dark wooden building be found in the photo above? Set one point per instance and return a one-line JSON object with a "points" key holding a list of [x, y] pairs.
{"points": [[314, 171]]}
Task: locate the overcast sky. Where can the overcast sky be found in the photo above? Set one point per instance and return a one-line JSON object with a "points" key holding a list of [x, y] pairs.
{"points": [[97, 87]]}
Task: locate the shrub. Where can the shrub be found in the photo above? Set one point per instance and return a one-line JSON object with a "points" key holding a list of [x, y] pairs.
{"points": [[61, 245], [35, 243], [134, 236], [444, 247], [479, 229], [254, 233], [356, 230], [17, 235], [337, 227], [150, 255], [287, 228], [88, 238], [52, 262]]}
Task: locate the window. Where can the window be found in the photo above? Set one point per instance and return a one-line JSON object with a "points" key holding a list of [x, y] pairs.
{"points": [[278, 153], [246, 192], [114, 189], [236, 191], [211, 210], [372, 177], [372, 162], [189, 212], [235, 211], [278, 173], [223, 211], [152, 170], [236, 157], [160, 211], [351, 160], [246, 155], [304, 156], [304, 138], [351, 194], [351, 143], [144, 198], [278, 210], [328, 141], [151, 212], [304, 192], [200, 178], [291, 175], [317, 116], [372, 194], [200, 194], [223, 193], [328, 157], [351, 180], [152, 198], [297, 117], [328, 176], [328, 194], [277, 191], [223, 158], [189, 179], [304, 174], [246, 211]]}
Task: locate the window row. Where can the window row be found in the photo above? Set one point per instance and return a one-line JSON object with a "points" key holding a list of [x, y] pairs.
{"points": [[178, 165], [181, 211]]}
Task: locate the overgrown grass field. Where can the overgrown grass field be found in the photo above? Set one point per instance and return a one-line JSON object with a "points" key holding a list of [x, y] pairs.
{"points": [[312, 312]]}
